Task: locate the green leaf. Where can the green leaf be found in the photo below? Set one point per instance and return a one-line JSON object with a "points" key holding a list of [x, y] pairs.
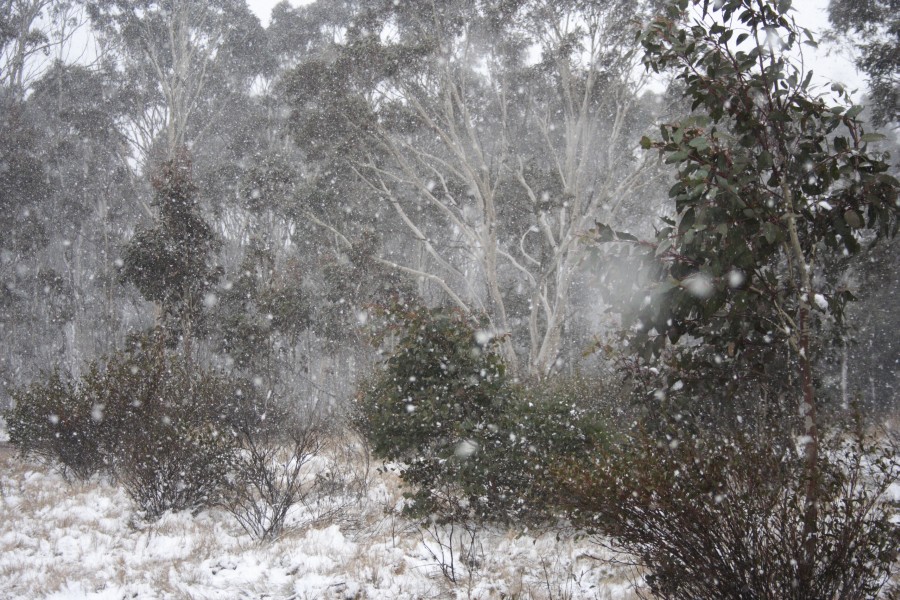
{"points": [[854, 111], [604, 233], [677, 157], [807, 79], [853, 219], [646, 143], [700, 120], [663, 247], [872, 137], [771, 232], [700, 143], [664, 286]]}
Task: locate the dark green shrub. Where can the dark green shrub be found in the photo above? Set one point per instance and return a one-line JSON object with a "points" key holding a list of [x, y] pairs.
{"points": [[437, 407], [551, 423], [471, 445], [171, 466], [713, 515], [171, 444]]}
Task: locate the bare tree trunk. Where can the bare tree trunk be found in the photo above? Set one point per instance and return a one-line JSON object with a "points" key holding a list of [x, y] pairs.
{"points": [[810, 440], [845, 366], [807, 408]]}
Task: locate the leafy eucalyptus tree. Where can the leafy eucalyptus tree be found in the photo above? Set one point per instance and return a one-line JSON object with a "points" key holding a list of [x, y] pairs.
{"points": [[491, 136], [773, 180], [25, 37], [183, 60], [62, 177]]}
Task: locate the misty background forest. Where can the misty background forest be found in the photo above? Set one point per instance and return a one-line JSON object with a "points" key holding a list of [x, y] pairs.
{"points": [[620, 267]]}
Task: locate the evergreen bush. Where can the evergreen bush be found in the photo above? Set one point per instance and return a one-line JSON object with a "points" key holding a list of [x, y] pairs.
{"points": [[554, 422], [174, 445], [470, 443], [53, 419], [436, 408]]}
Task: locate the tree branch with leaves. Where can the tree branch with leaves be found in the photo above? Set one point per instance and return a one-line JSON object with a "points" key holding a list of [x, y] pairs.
{"points": [[770, 176]]}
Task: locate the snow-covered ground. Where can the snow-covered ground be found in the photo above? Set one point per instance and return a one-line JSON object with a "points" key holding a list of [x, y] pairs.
{"points": [[83, 540]]}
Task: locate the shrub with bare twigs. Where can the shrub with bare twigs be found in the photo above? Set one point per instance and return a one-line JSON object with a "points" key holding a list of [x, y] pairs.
{"points": [[713, 515], [271, 466]]}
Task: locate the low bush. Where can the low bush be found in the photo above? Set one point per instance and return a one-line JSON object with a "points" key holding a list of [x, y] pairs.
{"points": [[550, 423], [470, 444], [53, 419], [171, 444], [712, 515], [435, 407], [274, 447], [145, 416]]}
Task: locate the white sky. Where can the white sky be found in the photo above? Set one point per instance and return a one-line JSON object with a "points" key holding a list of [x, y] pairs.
{"points": [[832, 62]]}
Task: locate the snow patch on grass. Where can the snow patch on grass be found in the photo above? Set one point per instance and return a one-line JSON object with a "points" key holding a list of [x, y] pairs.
{"points": [[71, 540]]}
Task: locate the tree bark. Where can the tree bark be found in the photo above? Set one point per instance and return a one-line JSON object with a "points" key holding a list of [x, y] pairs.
{"points": [[807, 408]]}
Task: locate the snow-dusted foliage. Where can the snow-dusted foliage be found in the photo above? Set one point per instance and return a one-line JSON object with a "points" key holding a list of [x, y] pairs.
{"points": [[437, 407], [471, 444], [146, 417]]}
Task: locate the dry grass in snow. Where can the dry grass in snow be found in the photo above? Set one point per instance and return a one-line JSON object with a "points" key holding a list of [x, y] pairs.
{"points": [[83, 540]]}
